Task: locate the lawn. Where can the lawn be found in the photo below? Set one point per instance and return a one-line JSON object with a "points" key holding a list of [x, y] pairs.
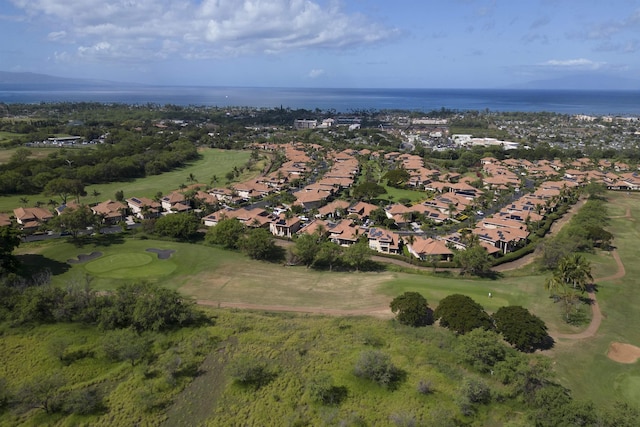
{"points": [[213, 162], [395, 194]]}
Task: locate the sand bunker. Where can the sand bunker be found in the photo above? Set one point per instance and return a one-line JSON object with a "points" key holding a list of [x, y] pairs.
{"points": [[623, 353], [162, 253], [84, 258]]}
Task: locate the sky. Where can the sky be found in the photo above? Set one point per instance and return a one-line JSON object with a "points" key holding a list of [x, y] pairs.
{"points": [[318, 43]]}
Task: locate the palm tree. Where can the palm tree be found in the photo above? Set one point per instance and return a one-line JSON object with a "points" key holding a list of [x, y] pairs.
{"points": [[95, 194], [24, 201], [575, 269], [191, 178], [555, 285]]}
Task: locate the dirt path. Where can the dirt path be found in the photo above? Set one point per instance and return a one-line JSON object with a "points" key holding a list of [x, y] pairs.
{"points": [[596, 314], [383, 312]]}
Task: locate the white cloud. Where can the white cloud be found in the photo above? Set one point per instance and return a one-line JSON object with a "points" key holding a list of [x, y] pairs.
{"points": [[579, 63], [316, 72], [149, 29], [56, 35]]}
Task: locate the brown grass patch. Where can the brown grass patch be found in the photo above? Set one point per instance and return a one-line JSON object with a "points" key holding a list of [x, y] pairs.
{"points": [[623, 353], [288, 286]]}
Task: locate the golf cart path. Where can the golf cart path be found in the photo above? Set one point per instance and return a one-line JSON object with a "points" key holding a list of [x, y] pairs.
{"points": [[596, 314]]}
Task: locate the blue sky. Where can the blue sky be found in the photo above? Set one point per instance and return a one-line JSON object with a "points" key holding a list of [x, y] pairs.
{"points": [[318, 43]]}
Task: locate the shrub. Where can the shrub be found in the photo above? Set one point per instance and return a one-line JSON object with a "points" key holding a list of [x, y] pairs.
{"points": [[84, 401], [425, 387], [376, 366], [476, 391], [322, 390], [250, 372], [481, 349]]}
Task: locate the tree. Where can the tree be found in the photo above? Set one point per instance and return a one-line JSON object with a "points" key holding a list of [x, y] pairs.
{"points": [[520, 328], [259, 243], [183, 226], [146, 306], [474, 260], [328, 253], [554, 249], [64, 188], [576, 270], [306, 247], [411, 309], [42, 392], [119, 195], [462, 314], [226, 233], [95, 193], [367, 191], [84, 401], [75, 220], [397, 177], [357, 255], [9, 240]]}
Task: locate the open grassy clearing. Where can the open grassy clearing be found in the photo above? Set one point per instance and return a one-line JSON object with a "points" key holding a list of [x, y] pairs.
{"points": [[6, 137], [393, 194], [213, 162], [36, 153]]}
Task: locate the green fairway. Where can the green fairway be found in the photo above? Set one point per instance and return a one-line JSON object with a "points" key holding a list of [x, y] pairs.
{"points": [[583, 365], [213, 162]]}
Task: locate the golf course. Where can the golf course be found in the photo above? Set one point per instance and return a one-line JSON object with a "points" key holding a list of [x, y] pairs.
{"points": [[220, 278]]}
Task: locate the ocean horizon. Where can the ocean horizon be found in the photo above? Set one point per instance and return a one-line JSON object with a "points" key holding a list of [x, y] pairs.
{"points": [[342, 100]]}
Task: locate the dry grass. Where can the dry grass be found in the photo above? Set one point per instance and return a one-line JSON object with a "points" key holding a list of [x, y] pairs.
{"points": [[269, 284]]}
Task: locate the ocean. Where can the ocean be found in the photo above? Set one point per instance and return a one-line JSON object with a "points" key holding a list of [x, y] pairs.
{"points": [[344, 100]]}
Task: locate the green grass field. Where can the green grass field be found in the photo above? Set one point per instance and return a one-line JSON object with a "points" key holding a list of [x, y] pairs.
{"points": [[583, 365], [6, 137], [215, 275], [36, 153], [213, 162], [395, 194]]}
